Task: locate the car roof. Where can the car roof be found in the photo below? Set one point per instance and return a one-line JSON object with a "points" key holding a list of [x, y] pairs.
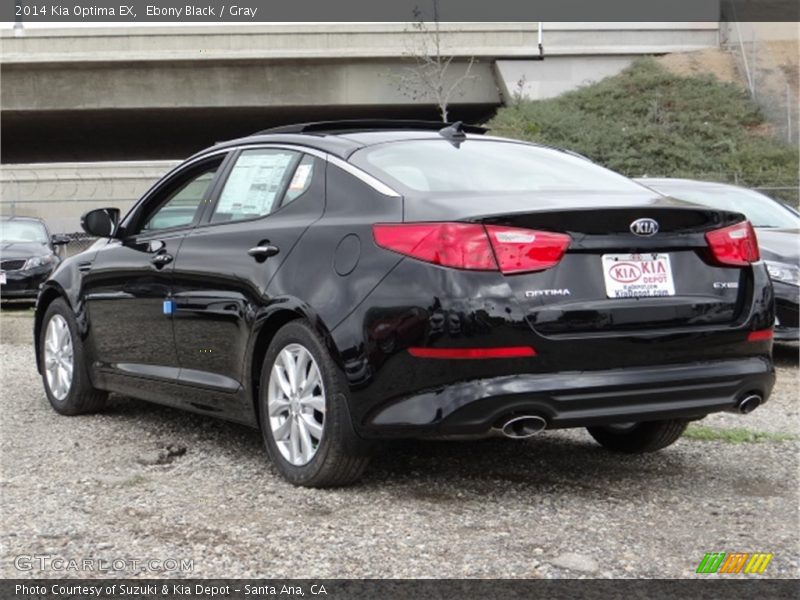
{"points": [[343, 138], [16, 218]]}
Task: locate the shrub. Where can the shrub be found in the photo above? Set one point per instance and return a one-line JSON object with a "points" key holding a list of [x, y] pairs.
{"points": [[647, 121]]}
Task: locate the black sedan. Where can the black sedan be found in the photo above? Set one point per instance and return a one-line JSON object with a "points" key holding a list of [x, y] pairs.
{"points": [[27, 256], [337, 283], [778, 231]]}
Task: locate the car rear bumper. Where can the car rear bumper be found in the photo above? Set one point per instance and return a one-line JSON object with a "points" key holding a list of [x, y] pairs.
{"points": [[578, 398]]}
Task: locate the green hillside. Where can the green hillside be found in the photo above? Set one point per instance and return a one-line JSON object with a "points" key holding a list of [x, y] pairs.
{"points": [[648, 121]]}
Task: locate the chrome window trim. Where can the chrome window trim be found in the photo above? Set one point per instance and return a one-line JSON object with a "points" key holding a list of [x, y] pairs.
{"points": [[371, 181], [375, 183], [356, 172]]}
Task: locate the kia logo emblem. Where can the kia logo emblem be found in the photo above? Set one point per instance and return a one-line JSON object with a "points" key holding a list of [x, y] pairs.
{"points": [[644, 227]]}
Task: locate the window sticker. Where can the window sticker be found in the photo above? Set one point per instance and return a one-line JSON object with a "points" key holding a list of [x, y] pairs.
{"points": [[253, 184]]}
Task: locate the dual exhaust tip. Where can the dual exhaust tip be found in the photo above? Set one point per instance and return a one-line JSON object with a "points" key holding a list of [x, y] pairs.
{"points": [[525, 426]]}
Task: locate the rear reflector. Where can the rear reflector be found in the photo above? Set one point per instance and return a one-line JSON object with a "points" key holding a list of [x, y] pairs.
{"points": [[760, 335], [471, 246], [456, 353], [734, 246]]}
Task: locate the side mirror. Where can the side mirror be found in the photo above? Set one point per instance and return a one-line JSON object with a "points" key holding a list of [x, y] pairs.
{"points": [[101, 222], [59, 239]]}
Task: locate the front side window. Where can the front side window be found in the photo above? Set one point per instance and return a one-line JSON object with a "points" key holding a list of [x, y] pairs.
{"points": [[181, 205], [485, 166], [256, 184]]}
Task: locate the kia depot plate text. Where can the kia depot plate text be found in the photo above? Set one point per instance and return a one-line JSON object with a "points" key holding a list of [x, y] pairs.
{"points": [[637, 275]]}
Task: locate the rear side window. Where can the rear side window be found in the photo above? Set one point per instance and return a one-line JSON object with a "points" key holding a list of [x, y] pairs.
{"points": [[301, 180], [485, 166], [256, 184]]}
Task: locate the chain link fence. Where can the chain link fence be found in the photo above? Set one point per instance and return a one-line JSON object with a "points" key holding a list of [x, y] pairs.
{"points": [[78, 242], [770, 70]]}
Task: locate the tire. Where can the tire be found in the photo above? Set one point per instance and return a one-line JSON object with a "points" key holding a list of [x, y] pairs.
{"points": [[79, 396], [337, 456], [638, 438]]}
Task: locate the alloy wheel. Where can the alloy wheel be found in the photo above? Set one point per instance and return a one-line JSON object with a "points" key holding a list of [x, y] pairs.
{"points": [[296, 404], [58, 357]]}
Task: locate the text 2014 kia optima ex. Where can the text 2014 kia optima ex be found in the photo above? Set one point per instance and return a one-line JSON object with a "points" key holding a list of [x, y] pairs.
{"points": [[337, 283]]}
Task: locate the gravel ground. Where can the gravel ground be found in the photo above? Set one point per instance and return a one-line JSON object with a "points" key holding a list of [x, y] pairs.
{"points": [[120, 485]]}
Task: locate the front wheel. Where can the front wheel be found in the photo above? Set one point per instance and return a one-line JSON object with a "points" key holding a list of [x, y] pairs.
{"points": [[636, 438], [64, 374], [304, 414]]}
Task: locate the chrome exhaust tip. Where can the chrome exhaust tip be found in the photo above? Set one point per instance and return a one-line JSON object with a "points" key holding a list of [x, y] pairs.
{"points": [[525, 426], [749, 403]]}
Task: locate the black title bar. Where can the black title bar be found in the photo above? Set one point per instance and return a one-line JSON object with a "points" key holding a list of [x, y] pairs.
{"points": [[388, 589], [271, 11]]}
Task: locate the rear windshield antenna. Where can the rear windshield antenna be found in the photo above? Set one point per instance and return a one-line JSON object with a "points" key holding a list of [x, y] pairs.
{"points": [[454, 133]]}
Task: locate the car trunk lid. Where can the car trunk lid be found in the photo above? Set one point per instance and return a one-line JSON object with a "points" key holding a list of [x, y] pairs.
{"points": [[614, 276]]}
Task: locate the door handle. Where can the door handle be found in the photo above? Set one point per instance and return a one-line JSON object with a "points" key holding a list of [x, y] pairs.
{"points": [[263, 251], [159, 260]]}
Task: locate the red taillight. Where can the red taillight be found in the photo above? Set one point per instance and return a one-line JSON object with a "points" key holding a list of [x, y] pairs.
{"points": [[455, 353], [734, 246], [471, 246], [760, 335], [459, 245], [524, 250]]}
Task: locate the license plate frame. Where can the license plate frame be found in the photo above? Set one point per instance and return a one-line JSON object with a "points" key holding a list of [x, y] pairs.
{"points": [[638, 275]]}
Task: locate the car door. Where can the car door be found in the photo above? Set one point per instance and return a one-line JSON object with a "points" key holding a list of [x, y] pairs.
{"points": [[269, 197], [128, 284]]}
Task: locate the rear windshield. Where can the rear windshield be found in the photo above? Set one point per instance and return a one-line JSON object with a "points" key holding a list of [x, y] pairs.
{"points": [[485, 166]]}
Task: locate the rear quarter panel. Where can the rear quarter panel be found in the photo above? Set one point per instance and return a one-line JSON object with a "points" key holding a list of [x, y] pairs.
{"points": [[336, 265]]}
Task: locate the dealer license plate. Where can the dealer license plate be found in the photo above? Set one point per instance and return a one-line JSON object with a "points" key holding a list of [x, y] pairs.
{"points": [[637, 275]]}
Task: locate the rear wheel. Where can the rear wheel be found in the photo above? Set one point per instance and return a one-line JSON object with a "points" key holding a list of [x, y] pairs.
{"points": [[64, 373], [304, 414], [635, 438]]}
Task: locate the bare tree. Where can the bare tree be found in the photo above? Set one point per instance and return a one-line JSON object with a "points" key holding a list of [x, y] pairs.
{"points": [[429, 79]]}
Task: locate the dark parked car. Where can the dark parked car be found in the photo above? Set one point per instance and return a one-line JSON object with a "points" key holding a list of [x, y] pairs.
{"points": [[345, 282], [778, 231], [27, 256]]}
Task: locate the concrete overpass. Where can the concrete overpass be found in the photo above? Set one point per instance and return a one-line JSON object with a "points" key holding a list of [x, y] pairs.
{"points": [[117, 93], [110, 95]]}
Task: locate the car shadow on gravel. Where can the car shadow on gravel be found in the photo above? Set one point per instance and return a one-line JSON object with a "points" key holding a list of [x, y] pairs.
{"points": [[185, 427], [17, 306], [551, 460], [786, 355], [430, 470]]}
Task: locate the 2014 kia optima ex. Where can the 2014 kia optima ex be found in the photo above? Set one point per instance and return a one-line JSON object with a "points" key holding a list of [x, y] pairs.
{"points": [[337, 283]]}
